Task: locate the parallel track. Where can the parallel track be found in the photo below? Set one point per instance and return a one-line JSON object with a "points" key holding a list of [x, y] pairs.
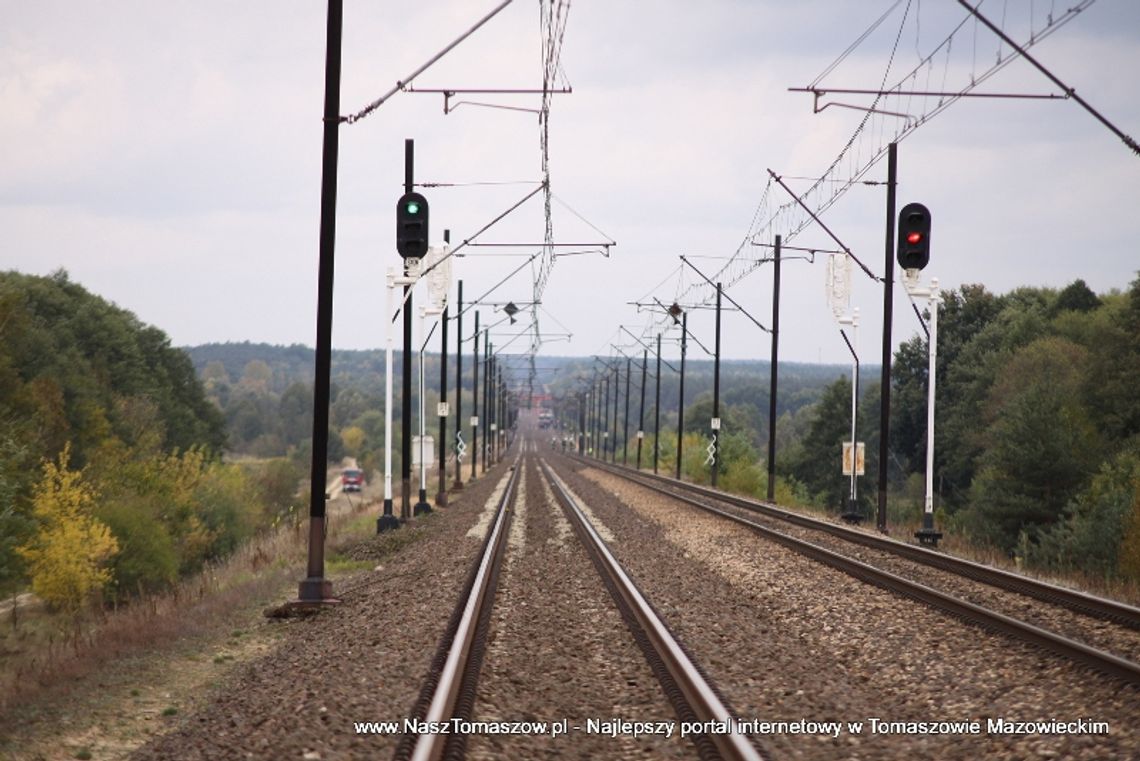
{"points": [[1099, 660]]}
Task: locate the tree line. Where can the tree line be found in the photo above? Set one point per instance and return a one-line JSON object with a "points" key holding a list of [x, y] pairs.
{"points": [[111, 475], [1037, 421]]}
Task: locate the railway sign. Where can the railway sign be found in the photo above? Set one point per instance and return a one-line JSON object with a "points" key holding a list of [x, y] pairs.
{"points": [[838, 285], [859, 458]]}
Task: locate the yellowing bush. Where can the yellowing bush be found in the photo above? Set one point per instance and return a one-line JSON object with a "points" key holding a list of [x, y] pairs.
{"points": [[68, 554]]}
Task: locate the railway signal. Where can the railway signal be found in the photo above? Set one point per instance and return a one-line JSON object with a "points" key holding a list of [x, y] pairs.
{"points": [[412, 226], [914, 237]]}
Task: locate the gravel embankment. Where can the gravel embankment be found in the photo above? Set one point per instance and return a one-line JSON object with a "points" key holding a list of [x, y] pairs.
{"points": [[362, 660], [559, 650], [1103, 635], [788, 639]]}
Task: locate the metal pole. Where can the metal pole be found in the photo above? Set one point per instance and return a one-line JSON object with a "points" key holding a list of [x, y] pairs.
{"points": [[406, 400], [500, 412], [493, 410], [657, 410], [487, 372], [606, 420], [496, 409], [852, 511], [927, 535], [774, 370], [421, 507], [681, 394], [599, 424], [441, 495], [617, 396], [855, 410], [715, 465], [458, 388], [625, 436], [928, 505], [315, 587], [591, 418], [888, 311], [475, 400], [581, 423], [387, 521], [641, 415]]}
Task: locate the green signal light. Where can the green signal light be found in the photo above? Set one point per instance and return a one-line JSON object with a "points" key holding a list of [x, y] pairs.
{"points": [[413, 207]]}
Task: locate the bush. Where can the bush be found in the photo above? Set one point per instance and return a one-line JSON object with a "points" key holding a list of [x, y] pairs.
{"points": [[148, 559], [67, 555], [1098, 524]]}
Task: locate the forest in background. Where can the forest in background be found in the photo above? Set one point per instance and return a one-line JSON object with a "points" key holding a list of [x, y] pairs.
{"points": [[113, 440]]}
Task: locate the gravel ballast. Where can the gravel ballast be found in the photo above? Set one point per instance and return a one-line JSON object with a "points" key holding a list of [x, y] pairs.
{"points": [[790, 640], [559, 650], [360, 661]]}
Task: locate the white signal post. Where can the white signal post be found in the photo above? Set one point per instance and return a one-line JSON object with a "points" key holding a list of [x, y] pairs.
{"points": [[927, 534], [436, 269], [853, 321], [387, 521]]}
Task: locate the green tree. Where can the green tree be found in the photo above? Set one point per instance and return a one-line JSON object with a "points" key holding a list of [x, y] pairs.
{"points": [[1113, 368], [1040, 447], [1077, 297], [816, 462], [295, 410], [15, 525], [353, 440], [1097, 522]]}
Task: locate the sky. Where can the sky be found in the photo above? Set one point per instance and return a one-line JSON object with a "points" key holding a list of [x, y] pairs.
{"points": [[168, 156]]}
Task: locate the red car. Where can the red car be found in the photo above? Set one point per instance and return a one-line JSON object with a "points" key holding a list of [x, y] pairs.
{"points": [[352, 479]]}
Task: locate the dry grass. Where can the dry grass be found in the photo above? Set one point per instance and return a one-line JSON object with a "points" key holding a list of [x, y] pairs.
{"points": [[46, 651]]}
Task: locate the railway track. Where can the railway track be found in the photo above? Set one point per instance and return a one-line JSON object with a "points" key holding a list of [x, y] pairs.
{"points": [[450, 690], [1096, 632]]}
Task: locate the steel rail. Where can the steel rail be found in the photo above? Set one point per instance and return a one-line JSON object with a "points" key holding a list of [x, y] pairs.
{"points": [[452, 679], [1081, 602], [1099, 660], [696, 691]]}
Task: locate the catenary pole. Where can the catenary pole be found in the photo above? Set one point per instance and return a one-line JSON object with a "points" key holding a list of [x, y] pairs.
{"points": [[888, 312], [475, 400], [406, 401], [458, 387], [625, 435], [774, 371], [716, 394], [657, 410], [441, 496], [681, 392], [315, 588], [641, 414]]}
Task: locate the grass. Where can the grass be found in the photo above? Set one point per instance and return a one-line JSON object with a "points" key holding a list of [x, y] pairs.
{"points": [[102, 690], [41, 652]]}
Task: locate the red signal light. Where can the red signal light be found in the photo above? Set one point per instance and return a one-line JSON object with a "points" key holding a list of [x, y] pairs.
{"points": [[914, 238]]}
